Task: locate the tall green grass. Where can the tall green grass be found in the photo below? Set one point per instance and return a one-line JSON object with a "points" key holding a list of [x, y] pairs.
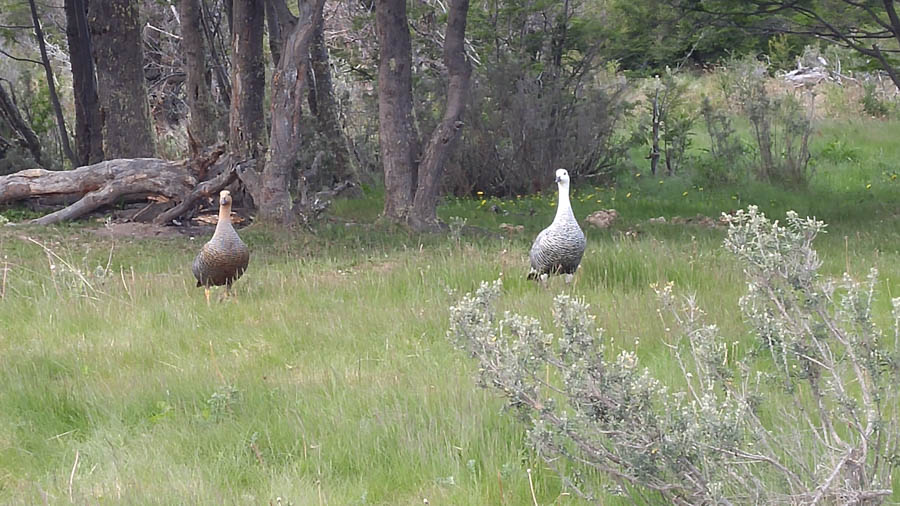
{"points": [[329, 380]]}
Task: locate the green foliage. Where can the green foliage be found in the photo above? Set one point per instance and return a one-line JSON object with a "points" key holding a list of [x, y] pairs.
{"points": [[837, 150], [648, 36], [725, 161], [783, 51], [36, 106], [872, 104], [668, 113]]}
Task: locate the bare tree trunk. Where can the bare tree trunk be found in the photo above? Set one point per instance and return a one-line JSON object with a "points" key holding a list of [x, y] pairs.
{"points": [[248, 80], [118, 56], [446, 134], [88, 122], [217, 52], [397, 137], [654, 150], [51, 85], [202, 126], [324, 106], [288, 90], [9, 111], [281, 23]]}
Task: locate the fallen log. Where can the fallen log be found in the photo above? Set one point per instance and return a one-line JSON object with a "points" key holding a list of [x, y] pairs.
{"points": [[106, 183]]}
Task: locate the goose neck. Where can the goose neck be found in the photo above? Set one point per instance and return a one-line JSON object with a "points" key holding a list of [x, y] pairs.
{"points": [[563, 207], [224, 221]]}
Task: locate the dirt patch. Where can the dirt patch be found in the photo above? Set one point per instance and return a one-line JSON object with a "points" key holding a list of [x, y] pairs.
{"points": [[138, 230]]}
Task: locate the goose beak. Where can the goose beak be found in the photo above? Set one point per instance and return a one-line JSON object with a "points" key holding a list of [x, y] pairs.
{"points": [[557, 179]]}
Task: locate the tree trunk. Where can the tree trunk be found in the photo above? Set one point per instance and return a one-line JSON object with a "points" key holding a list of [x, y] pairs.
{"points": [[446, 134], [281, 23], [217, 52], [202, 125], [324, 106], [14, 117], [655, 120], [288, 91], [51, 86], [88, 122], [248, 80], [397, 137], [118, 56]]}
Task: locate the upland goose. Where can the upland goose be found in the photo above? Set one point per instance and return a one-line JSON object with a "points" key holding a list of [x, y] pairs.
{"points": [[223, 258], [558, 248]]}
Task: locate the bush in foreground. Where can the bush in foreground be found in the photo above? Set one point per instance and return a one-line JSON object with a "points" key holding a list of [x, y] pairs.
{"points": [[809, 417]]}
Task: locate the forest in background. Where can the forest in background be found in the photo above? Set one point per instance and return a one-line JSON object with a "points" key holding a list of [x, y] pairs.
{"points": [[429, 97]]}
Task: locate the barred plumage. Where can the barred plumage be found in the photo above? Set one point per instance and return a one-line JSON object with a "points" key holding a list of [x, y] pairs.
{"points": [[558, 248], [223, 258]]}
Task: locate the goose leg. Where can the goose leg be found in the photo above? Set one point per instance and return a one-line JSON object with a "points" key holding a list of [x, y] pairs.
{"points": [[206, 291]]}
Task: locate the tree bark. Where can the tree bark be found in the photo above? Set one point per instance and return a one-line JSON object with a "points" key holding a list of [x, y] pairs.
{"points": [[397, 133], [217, 52], [202, 124], [118, 56], [248, 80], [323, 105], [88, 122], [281, 23], [14, 117], [288, 91], [51, 85], [446, 134], [655, 120]]}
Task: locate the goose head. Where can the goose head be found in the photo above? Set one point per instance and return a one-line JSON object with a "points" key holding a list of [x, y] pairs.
{"points": [[224, 210], [562, 177], [225, 198]]}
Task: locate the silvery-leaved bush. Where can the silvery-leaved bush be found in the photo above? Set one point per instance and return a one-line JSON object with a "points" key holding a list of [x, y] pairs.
{"points": [[810, 415]]}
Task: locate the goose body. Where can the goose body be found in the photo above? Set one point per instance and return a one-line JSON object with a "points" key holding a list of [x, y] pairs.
{"points": [[224, 258], [558, 248]]}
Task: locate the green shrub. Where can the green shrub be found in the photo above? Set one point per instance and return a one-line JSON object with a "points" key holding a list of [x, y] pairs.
{"points": [[872, 103], [725, 163]]}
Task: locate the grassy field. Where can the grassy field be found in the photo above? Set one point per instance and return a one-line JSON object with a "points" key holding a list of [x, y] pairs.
{"points": [[329, 380]]}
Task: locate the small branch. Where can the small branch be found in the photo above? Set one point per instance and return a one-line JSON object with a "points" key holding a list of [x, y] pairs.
{"points": [[160, 30], [16, 58]]}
